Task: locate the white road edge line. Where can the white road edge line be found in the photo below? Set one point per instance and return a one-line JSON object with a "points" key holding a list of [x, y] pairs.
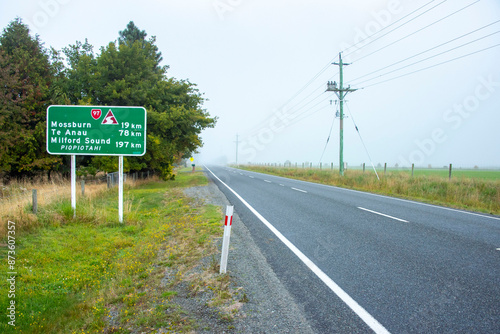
{"points": [[353, 305], [299, 190], [381, 214]]}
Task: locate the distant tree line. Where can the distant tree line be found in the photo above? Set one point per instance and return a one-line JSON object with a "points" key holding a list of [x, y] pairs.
{"points": [[124, 73]]}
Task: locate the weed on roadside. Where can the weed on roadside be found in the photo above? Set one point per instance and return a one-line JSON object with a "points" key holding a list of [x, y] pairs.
{"points": [[91, 274]]}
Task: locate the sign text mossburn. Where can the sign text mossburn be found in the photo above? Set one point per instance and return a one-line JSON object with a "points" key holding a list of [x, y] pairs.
{"points": [[96, 130]]}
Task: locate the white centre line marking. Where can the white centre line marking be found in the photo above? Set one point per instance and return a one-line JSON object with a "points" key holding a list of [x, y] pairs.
{"points": [[251, 177], [498, 249], [267, 181], [299, 190], [395, 199], [368, 319], [381, 214], [282, 185]]}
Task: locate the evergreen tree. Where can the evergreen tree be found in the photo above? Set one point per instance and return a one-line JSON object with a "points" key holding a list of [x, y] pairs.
{"points": [[25, 77], [133, 34], [78, 81], [127, 74], [130, 75]]}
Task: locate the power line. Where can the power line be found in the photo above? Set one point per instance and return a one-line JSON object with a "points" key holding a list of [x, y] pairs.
{"points": [[328, 64], [429, 67], [282, 107], [309, 102], [376, 39], [433, 48], [433, 56], [419, 30], [314, 91], [307, 84], [317, 75], [333, 59], [295, 112], [295, 121]]}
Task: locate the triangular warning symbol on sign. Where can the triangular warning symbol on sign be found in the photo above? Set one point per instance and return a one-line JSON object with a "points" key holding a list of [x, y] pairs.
{"points": [[109, 118]]}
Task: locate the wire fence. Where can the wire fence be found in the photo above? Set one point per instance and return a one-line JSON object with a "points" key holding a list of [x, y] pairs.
{"points": [[35, 194], [379, 166], [443, 171]]}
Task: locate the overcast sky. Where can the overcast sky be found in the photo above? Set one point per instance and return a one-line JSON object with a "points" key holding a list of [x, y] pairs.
{"points": [[264, 65]]}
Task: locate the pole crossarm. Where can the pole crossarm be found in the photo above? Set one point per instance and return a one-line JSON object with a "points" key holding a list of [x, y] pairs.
{"points": [[331, 86]]}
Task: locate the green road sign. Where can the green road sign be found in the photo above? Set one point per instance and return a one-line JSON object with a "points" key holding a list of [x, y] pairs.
{"points": [[96, 130]]}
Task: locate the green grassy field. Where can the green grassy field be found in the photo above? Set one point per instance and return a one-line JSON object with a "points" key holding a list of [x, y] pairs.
{"points": [[443, 173], [461, 173], [468, 189], [92, 274]]}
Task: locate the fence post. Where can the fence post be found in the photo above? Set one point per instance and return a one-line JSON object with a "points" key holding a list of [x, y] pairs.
{"points": [[412, 169], [449, 173], [363, 167], [35, 202], [385, 167], [83, 187]]}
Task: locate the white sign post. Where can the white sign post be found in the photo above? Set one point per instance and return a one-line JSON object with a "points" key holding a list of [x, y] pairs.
{"points": [[120, 188], [225, 239], [73, 184]]}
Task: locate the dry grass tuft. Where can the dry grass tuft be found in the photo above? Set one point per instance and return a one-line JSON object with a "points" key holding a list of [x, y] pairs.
{"points": [[16, 203]]}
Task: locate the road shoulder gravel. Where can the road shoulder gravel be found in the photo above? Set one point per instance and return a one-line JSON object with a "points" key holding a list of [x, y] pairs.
{"points": [[269, 307]]}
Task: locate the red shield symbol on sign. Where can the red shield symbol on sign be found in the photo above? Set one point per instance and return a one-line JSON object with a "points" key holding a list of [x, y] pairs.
{"points": [[96, 113]]}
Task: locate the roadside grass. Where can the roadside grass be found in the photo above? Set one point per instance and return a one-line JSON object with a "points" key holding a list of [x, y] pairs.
{"points": [[92, 274], [476, 194], [16, 201]]}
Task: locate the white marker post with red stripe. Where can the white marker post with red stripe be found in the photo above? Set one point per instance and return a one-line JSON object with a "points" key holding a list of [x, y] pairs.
{"points": [[225, 239]]}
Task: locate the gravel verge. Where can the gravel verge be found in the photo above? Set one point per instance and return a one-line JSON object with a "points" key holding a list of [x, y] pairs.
{"points": [[269, 308]]}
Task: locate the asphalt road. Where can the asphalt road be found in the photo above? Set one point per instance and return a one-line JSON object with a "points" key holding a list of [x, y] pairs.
{"points": [[360, 263]]}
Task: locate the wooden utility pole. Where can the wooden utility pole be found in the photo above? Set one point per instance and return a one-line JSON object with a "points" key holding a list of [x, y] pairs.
{"points": [[237, 142], [341, 92]]}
